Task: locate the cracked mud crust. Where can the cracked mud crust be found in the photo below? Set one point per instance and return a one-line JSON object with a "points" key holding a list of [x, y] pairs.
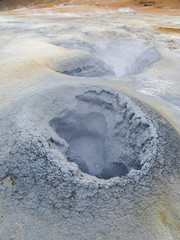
{"points": [[38, 182]]}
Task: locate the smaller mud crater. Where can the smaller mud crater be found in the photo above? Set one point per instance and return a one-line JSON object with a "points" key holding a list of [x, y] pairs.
{"points": [[110, 59]]}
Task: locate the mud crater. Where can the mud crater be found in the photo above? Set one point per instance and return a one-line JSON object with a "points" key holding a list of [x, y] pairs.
{"points": [[79, 147], [109, 59], [106, 137]]}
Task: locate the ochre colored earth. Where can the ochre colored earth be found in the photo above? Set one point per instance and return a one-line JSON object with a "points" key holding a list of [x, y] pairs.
{"points": [[170, 7]]}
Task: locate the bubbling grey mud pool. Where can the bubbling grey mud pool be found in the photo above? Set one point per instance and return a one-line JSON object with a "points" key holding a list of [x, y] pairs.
{"points": [[106, 138], [91, 162]]}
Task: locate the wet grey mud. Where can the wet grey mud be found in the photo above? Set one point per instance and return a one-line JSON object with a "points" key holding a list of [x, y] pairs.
{"points": [[106, 140]]}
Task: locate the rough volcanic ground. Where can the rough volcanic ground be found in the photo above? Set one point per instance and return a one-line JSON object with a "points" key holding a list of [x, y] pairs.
{"points": [[89, 136]]}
